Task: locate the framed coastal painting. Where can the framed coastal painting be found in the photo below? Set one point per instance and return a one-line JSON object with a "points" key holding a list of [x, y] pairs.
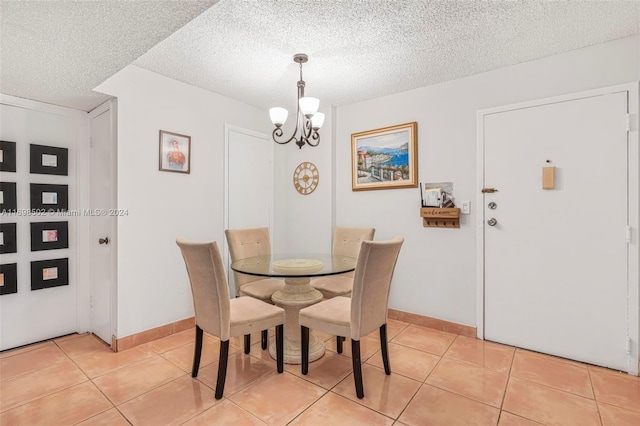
{"points": [[385, 158], [175, 152]]}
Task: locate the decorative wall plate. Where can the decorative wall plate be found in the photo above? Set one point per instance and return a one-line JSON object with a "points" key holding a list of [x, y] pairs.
{"points": [[306, 178]]}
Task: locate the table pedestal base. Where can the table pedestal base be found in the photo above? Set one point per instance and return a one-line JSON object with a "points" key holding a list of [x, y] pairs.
{"points": [[296, 294]]}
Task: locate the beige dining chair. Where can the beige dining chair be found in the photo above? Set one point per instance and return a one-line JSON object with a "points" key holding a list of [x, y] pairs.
{"points": [[251, 242], [361, 314], [346, 242], [221, 316]]}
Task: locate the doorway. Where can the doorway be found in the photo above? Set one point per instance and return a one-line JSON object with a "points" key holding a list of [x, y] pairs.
{"points": [[558, 266]]}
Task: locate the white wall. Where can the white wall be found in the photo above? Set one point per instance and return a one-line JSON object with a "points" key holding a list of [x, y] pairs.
{"points": [[436, 272], [152, 283]]}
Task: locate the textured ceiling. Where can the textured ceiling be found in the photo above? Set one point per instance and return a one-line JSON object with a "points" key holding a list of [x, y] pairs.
{"points": [[57, 51]]}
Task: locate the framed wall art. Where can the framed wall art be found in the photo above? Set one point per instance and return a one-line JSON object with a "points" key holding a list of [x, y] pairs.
{"points": [[175, 152], [49, 235], [385, 158], [48, 160], [8, 278], [49, 273], [8, 199], [46, 197], [8, 242], [7, 156]]}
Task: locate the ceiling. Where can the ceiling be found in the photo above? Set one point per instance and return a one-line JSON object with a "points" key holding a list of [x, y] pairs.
{"points": [[58, 51]]}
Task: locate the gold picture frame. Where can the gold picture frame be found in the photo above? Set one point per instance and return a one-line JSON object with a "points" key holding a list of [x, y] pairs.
{"points": [[175, 152], [385, 158]]}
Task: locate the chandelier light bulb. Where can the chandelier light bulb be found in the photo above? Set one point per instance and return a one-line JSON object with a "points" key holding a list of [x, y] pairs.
{"points": [[317, 120], [309, 106], [278, 116]]}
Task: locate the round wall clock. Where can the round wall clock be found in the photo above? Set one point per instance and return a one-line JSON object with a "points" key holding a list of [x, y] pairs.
{"points": [[306, 177]]}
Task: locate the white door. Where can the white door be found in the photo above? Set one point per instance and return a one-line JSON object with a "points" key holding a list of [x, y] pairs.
{"points": [[249, 183], [556, 260], [103, 217]]}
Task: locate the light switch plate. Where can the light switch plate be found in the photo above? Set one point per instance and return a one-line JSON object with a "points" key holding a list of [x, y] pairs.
{"points": [[466, 207]]}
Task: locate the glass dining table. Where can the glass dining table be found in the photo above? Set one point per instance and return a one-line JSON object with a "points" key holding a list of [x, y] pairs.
{"points": [[297, 271]]}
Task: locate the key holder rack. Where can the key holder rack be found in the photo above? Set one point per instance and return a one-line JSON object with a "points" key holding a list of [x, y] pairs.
{"points": [[440, 217]]}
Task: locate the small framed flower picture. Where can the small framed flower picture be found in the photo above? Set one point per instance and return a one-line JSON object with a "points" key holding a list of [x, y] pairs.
{"points": [[175, 152]]}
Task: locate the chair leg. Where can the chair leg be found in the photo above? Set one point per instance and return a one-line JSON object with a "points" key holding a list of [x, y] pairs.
{"points": [[222, 368], [280, 347], [247, 343], [304, 335], [197, 352], [357, 367], [384, 347], [339, 340], [265, 339]]}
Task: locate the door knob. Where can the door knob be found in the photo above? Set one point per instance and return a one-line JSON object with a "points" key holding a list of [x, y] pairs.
{"points": [[104, 240], [492, 222]]}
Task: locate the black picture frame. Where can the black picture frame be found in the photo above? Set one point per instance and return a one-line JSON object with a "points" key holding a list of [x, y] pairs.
{"points": [[39, 192], [9, 244], [57, 235], [48, 160], [8, 163], [42, 273], [9, 279], [9, 201]]}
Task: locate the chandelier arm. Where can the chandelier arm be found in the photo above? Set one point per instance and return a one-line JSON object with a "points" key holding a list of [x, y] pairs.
{"points": [[278, 132], [316, 137]]}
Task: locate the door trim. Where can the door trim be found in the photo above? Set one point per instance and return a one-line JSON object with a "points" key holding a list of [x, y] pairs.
{"points": [[633, 206]]}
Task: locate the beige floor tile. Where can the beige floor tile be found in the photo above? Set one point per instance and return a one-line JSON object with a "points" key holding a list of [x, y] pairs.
{"points": [[619, 389], [616, 416], [97, 363], [508, 419], [388, 395], [433, 406], [549, 406], [327, 372], [68, 406], [493, 356], [278, 398], [23, 349], [172, 341], [225, 413], [552, 371], [394, 327], [368, 347], [81, 344], [425, 339], [36, 384], [242, 370], [133, 380], [170, 404], [333, 409], [409, 362], [483, 385], [182, 356], [108, 418], [28, 361]]}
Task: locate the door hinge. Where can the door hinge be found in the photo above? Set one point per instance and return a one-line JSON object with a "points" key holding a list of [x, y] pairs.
{"points": [[91, 301], [628, 234], [91, 142], [628, 345], [628, 123]]}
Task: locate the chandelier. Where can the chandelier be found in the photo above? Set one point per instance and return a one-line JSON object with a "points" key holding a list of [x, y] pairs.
{"points": [[309, 120]]}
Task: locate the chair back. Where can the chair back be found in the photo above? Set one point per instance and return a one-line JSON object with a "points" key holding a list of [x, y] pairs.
{"points": [[371, 284], [245, 243], [347, 241], [208, 286]]}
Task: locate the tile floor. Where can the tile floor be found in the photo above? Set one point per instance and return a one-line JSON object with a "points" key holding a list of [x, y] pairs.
{"points": [[438, 378]]}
